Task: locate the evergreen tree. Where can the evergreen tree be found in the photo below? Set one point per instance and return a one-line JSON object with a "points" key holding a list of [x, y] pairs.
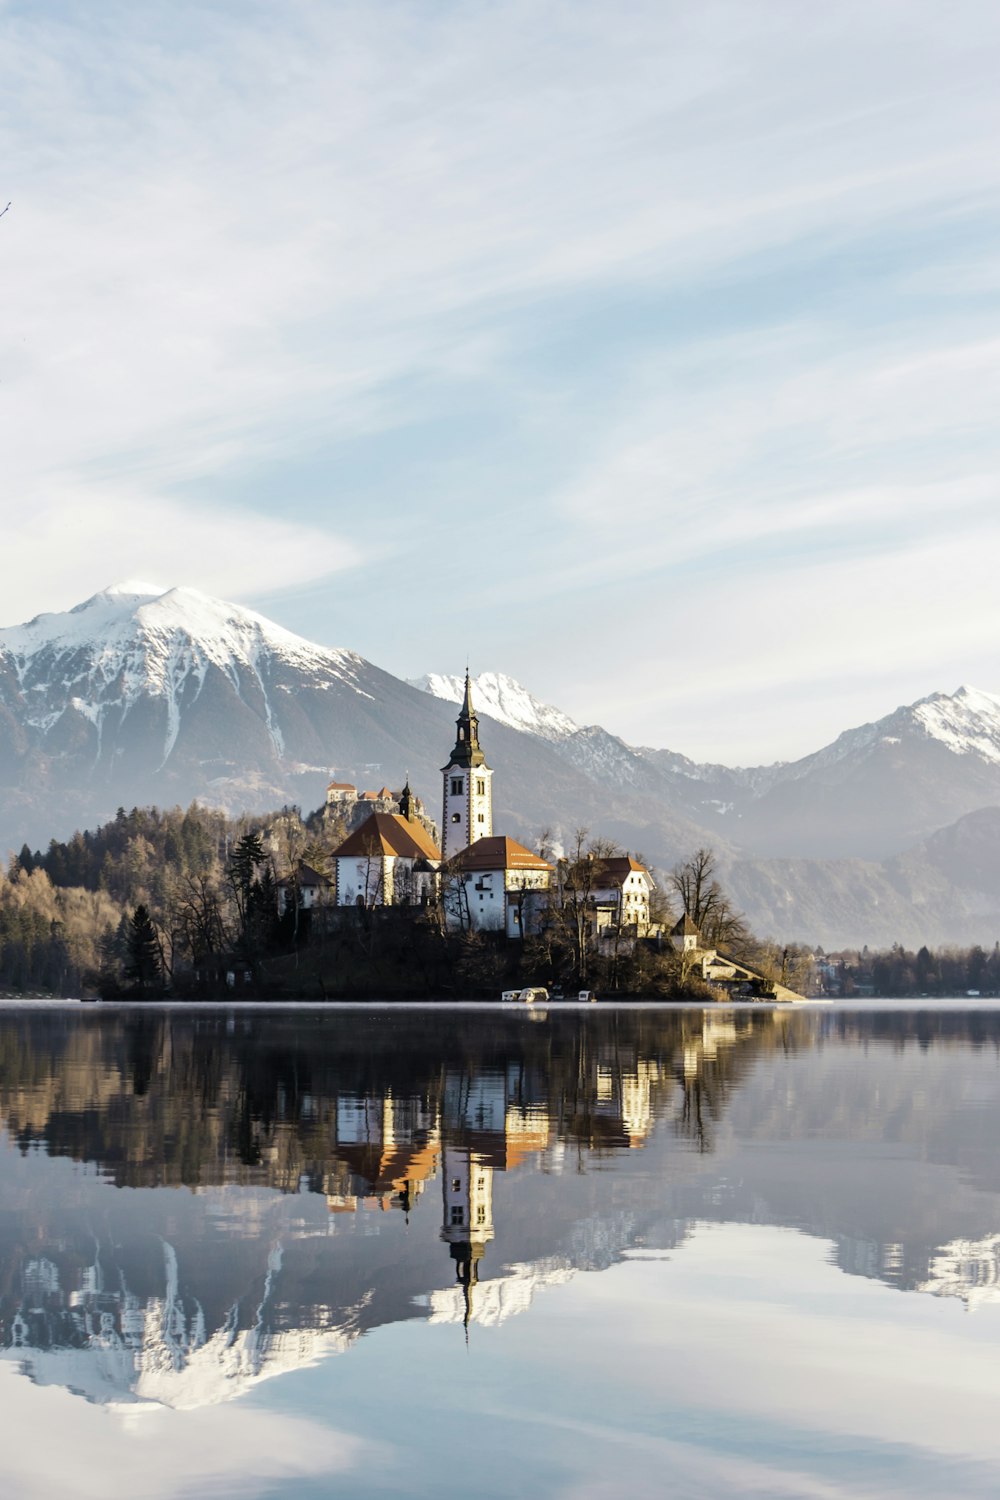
{"points": [[144, 965]]}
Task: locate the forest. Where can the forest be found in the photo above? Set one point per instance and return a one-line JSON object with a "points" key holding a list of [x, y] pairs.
{"points": [[187, 902]]}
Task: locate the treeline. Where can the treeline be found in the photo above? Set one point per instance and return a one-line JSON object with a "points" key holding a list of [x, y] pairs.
{"points": [[187, 902], [897, 972], [142, 899]]}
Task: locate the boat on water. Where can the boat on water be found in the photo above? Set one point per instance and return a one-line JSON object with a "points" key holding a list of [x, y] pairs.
{"points": [[536, 994]]}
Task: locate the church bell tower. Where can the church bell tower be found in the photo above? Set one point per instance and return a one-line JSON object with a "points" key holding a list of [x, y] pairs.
{"points": [[468, 794]]}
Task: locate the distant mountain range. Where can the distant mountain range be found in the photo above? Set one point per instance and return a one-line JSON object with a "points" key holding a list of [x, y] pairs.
{"points": [[143, 695]]}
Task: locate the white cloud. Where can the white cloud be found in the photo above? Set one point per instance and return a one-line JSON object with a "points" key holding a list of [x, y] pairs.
{"points": [[827, 1371], [242, 234], [88, 544], [105, 1453]]}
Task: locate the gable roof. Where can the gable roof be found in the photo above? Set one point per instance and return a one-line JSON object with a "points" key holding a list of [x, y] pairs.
{"points": [[616, 869], [305, 875], [389, 834], [685, 928], [500, 853]]}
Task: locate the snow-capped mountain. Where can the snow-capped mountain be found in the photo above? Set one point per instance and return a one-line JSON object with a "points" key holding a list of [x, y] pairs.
{"points": [[143, 695], [505, 700], [135, 643], [883, 786]]}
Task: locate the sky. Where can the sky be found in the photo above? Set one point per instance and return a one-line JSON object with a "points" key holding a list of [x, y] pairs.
{"points": [[649, 353]]}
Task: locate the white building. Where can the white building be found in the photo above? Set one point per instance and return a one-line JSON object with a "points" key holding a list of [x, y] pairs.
{"points": [[390, 860], [468, 793], [497, 885], [341, 794], [621, 892], [309, 887]]}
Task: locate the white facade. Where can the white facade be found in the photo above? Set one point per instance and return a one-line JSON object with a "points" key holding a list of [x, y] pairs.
{"points": [[389, 860], [467, 813], [496, 885], [624, 890], [366, 881], [341, 794], [468, 807], [509, 901], [382, 880]]}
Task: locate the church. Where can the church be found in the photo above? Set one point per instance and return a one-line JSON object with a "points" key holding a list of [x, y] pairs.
{"points": [[485, 882]]}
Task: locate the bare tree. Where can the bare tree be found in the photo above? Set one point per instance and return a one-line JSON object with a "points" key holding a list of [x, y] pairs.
{"points": [[702, 899]]}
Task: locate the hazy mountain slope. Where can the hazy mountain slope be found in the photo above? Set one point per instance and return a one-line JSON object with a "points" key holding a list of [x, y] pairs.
{"points": [[880, 787], [945, 889]]}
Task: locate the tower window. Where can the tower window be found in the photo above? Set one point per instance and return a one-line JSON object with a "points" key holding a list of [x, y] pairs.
{"points": [[456, 817], [457, 786], [482, 817], [457, 1216], [480, 788]]}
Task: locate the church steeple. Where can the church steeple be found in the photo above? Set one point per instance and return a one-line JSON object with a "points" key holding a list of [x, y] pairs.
{"points": [[468, 795], [467, 751]]}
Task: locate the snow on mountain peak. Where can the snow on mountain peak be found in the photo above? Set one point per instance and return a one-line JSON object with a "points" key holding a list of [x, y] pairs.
{"points": [[134, 640], [967, 722], [504, 699]]}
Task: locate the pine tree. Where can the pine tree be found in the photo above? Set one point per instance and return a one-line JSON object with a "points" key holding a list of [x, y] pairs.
{"points": [[144, 966]]}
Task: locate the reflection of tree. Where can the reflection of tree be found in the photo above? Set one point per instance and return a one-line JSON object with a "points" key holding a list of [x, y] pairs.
{"points": [[186, 1097]]}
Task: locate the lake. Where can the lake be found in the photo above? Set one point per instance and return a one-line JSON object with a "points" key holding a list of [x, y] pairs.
{"points": [[465, 1251]]}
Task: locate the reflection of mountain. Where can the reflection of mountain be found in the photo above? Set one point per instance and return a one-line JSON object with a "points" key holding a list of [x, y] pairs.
{"points": [[109, 1344], [499, 1298], [351, 1171], [969, 1269]]}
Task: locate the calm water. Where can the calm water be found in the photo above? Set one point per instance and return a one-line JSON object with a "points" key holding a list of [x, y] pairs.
{"points": [[589, 1254]]}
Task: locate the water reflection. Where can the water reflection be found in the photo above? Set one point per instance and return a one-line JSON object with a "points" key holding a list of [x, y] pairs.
{"points": [[292, 1181]]}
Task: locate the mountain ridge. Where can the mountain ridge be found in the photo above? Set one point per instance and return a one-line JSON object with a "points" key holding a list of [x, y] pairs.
{"points": [[142, 695]]}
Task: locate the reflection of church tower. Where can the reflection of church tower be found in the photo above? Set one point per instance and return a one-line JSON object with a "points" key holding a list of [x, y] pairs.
{"points": [[467, 1224], [468, 796]]}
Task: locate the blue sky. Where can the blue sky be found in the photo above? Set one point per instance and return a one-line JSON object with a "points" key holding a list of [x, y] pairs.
{"points": [[650, 352]]}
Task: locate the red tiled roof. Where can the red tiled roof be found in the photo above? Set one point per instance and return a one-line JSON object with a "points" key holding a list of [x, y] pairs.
{"points": [[499, 853], [389, 834], [341, 786]]}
